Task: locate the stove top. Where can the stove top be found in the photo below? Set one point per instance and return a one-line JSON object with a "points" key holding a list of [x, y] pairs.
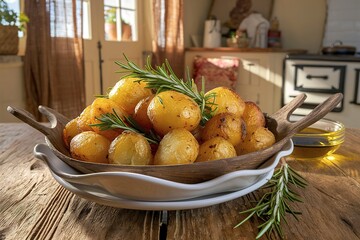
{"points": [[347, 58]]}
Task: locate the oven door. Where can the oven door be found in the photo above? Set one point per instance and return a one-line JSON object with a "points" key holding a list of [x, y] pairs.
{"points": [[317, 79]]}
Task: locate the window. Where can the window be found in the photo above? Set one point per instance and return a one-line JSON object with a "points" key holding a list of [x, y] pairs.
{"points": [[86, 20], [120, 20]]}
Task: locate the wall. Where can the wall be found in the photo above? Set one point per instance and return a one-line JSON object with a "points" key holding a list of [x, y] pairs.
{"points": [[301, 22], [343, 23], [195, 14], [12, 91]]}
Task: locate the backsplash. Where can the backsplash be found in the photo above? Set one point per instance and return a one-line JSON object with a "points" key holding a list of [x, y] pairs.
{"points": [[343, 23]]}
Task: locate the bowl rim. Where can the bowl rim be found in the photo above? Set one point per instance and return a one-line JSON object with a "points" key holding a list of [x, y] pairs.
{"points": [[339, 132]]}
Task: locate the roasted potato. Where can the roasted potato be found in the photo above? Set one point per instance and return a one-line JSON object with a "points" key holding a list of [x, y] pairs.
{"points": [[253, 116], [102, 106], [90, 146], [130, 148], [70, 130], [83, 121], [215, 148], [140, 115], [226, 100], [128, 92], [225, 125], [177, 147], [255, 140], [170, 110]]}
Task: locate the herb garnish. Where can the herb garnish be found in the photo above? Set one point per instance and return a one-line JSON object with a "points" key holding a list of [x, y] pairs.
{"points": [[114, 121], [273, 206], [163, 78]]}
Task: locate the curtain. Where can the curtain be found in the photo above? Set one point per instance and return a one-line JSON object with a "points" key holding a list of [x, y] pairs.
{"points": [[53, 62], [169, 35]]}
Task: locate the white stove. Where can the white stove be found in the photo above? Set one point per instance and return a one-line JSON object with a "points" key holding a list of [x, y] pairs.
{"points": [[320, 76]]}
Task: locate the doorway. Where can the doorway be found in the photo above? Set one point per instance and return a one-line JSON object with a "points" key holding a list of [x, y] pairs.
{"points": [[114, 28]]}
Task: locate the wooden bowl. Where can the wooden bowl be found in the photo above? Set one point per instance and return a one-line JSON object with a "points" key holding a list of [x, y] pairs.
{"points": [[278, 123]]}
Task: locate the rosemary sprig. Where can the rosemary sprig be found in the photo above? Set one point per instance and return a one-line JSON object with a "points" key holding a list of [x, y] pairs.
{"points": [[162, 78], [114, 121], [273, 206]]}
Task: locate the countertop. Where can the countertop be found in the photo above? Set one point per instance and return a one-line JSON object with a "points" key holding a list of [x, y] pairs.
{"points": [[34, 206], [324, 57], [249, 50]]}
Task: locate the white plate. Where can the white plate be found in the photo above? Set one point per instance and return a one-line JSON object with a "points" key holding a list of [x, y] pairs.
{"points": [[146, 188], [113, 201]]}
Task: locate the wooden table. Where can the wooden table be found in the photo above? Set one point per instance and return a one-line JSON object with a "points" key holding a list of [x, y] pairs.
{"points": [[34, 206]]}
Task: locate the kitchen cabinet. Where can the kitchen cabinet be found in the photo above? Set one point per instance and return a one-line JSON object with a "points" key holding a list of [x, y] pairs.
{"points": [[12, 89], [319, 76], [259, 73]]}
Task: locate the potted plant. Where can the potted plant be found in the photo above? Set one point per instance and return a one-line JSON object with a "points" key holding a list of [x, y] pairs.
{"points": [[10, 24]]}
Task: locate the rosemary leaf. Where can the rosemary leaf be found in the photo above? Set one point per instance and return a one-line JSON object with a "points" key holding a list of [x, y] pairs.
{"points": [[114, 121], [274, 205], [162, 78]]}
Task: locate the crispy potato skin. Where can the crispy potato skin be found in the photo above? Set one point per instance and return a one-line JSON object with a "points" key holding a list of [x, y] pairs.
{"points": [[226, 100], [178, 146], [236, 127], [130, 148], [102, 106], [170, 110], [215, 148], [83, 121], [255, 140], [90, 146], [70, 130], [225, 125], [128, 92], [253, 116], [140, 114]]}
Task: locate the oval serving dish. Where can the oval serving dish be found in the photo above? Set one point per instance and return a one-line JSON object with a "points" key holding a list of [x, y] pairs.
{"points": [[146, 188]]}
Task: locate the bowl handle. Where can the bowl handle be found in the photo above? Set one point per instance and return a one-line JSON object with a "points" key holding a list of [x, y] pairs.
{"points": [[57, 121], [287, 128]]}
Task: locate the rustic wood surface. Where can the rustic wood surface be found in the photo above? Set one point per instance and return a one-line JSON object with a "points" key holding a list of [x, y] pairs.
{"points": [[34, 206]]}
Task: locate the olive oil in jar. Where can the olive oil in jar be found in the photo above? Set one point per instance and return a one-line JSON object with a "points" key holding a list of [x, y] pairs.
{"points": [[315, 143]]}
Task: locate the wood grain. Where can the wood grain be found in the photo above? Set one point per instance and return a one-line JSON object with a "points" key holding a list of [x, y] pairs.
{"points": [[34, 206], [331, 208]]}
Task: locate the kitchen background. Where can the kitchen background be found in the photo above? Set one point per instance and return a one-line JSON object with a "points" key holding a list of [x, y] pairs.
{"points": [[305, 25]]}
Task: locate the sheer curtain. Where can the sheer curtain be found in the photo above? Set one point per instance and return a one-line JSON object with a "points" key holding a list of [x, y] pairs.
{"points": [[169, 35], [53, 62]]}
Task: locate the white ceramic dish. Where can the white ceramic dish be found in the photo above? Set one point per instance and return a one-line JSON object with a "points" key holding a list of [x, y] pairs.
{"points": [[205, 201], [146, 188]]}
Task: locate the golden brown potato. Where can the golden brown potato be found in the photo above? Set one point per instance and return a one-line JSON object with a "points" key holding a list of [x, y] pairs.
{"points": [[130, 148], [226, 100], [256, 139], [170, 110], [253, 116], [177, 147], [102, 106], [128, 92], [215, 148], [225, 125], [83, 121], [70, 130], [140, 114], [90, 147]]}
